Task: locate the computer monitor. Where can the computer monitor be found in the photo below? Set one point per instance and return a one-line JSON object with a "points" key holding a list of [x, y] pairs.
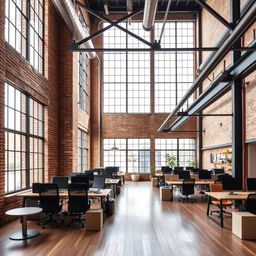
{"points": [[109, 171], [223, 176], [218, 171], [166, 169], [99, 181], [62, 182], [177, 169], [251, 184], [184, 175], [204, 175], [82, 179], [72, 174], [231, 184]]}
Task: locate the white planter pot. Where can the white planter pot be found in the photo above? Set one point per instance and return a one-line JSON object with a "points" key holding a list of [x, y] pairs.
{"points": [[135, 177]]}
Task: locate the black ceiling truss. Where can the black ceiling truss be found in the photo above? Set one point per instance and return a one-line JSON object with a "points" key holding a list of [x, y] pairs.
{"points": [[218, 87], [214, 13], [185, 113]]}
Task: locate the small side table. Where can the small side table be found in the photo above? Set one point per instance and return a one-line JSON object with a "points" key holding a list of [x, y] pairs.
{"points": [[24, 212]]}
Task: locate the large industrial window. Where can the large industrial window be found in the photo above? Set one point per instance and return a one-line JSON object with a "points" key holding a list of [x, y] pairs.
{"points": [[24, 140], [82, 151], [24, 29], [182, 151], [131, 155], [174, 71], [83, 82], [126, 75]]}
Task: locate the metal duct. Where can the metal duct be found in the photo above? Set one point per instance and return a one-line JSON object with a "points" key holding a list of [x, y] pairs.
{"points": [[149, 14], [68, 13]]}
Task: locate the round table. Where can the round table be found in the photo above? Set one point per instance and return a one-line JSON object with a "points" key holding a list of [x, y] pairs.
{"points": [[24, 212]]}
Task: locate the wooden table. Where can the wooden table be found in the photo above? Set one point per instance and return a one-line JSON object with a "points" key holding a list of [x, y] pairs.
{"points": [[197, 182], [225, 195], [104, 193], [122, 176], [114, 183], [24, 212]]}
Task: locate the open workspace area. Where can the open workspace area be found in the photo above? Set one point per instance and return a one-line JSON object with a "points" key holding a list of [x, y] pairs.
{"points": [[127, 127]]}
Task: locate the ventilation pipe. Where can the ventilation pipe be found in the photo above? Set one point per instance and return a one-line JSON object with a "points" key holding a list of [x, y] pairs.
{"points": [[149, 14], [67, 11]]}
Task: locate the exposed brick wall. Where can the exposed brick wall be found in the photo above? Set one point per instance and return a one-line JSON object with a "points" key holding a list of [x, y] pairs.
{"points": [[218, 130]]}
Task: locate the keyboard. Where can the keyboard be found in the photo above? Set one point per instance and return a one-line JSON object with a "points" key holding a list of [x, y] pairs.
{"points": [[95, 190]]}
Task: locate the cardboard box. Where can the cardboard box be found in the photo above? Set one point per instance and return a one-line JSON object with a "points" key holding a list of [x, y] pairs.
{"points": [[94, 219], [165, 194], [244, 225]]}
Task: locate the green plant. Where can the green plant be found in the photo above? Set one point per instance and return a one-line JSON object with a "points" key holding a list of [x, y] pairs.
{"points": [[191, 163], [152, 171], [132, 158], [171, 160], [228, 160]]}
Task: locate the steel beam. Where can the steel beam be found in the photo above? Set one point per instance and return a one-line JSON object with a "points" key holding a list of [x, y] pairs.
{"points": [[201, 115], [214, 13], [101, 17], [236, 94], [156, 48], [109, 26], [219, 87]]}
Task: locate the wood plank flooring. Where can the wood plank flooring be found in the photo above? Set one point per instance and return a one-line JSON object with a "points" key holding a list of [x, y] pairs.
{"points": [[142, 226]]}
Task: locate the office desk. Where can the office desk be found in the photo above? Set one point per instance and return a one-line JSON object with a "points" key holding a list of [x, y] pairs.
{"points": [[114, 183], [122, 176], [104, 194], [197, 182], [223, 196]]}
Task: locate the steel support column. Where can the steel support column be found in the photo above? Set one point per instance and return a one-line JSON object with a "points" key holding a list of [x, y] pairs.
{"points": [[236, 91]]}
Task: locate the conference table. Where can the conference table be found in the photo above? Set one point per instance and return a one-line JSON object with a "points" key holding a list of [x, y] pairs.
{"points": [[102, 194], [225, 195]]}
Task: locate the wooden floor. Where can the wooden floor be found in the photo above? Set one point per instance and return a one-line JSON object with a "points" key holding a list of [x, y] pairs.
{"points": [[142, 225]]}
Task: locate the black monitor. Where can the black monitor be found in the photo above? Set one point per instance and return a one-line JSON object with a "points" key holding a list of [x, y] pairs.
{"points": [[218, 171], [231, 184], [62, 182], [89, 174], [184, 175], [166, 169], [82, 179], [99, 181], [72, 174], [251, 184], [177, 169], [223, 176], [204, 175], [109, 171]]}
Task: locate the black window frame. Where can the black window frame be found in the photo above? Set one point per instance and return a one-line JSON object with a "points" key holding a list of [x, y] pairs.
{"points": [[82, 150], [32, 155]]}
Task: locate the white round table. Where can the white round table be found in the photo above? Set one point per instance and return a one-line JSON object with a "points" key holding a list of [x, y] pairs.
{"points": [[24, 212]]}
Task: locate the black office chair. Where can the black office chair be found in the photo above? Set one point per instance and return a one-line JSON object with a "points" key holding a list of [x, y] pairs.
{"points": [[187, 189], [78, 203], [251, 184], [251, 203], [99, 181], [50, 202]]}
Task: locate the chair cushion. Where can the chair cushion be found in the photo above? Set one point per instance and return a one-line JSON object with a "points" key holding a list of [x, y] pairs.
{"points": [[224, 202]]}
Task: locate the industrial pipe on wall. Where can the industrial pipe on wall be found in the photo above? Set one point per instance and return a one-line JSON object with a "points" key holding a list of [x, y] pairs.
{"points": [[149, 14], [68, 13]]}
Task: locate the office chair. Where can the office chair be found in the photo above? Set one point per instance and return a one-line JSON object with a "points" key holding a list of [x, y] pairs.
{"points": [[251, 203], [78, 203], [225, 203], [251, 184], [50, 202], [187, 189]]}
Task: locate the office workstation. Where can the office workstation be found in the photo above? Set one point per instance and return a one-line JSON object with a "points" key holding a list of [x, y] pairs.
{"points": [[127, 127]]}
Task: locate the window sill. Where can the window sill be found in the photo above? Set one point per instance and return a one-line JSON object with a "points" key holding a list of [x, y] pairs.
{"points": [[16, 193]]}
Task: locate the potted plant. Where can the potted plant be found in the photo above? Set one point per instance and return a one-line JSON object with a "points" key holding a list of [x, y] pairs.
{"points": [[152, 173], [171, 160], [133, 159]]}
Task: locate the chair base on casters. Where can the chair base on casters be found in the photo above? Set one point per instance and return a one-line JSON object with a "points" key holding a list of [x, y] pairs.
{"points": [[49, 220], [218, 211], [77, 219], [187, 199]]}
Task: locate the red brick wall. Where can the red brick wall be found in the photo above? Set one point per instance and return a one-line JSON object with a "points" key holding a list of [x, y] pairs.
{"points": [[218, 130], [17, 70]]}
